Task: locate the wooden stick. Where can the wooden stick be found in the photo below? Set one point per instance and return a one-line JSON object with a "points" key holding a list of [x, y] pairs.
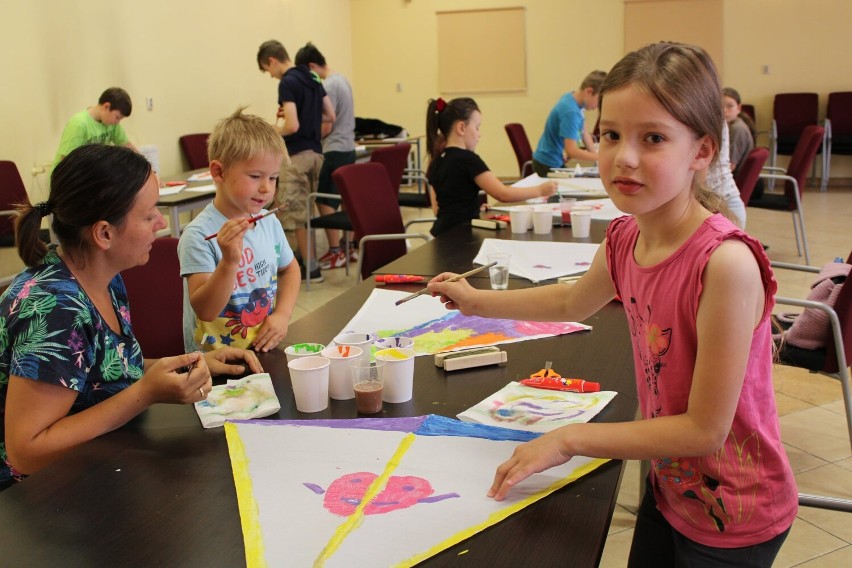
{"points": [[455, 278]]}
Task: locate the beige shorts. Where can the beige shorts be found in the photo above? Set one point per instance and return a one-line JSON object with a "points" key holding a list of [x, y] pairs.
{"points": [[298, 178]]}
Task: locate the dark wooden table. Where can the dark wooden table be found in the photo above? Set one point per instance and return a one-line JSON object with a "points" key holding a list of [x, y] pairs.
{"points": [[454, 250], [160, 492]]}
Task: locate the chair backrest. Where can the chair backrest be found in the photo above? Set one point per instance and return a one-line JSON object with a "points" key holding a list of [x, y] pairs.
{"points": [[793, 112], [194, 147], [749, 110], [749, 172], [394, 159], [803, 158], [12, 191], [155, 291], [372, 206], [839, 112], [843, 307], [521, 146]]}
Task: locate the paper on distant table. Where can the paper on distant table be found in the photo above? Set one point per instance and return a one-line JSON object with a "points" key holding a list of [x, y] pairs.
{"points": [[520, 407], [202, 188], [201, 176], [540, 260], [240, 399], [171, 189], [530, 181]]}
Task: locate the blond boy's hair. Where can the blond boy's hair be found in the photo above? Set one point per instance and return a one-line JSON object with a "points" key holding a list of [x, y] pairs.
{"points": [[241, 137]]}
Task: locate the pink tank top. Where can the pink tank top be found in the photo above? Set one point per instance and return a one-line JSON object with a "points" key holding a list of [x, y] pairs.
{"points": [[744, 493]]}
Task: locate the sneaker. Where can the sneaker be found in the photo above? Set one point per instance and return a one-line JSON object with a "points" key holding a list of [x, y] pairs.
{"points": [[316, 274], [353, 256], [332, 260]]}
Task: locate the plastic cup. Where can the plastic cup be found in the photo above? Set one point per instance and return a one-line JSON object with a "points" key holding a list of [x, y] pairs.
{"points": [[398, 374], [364, 341], [520, 219], [581, 221], [391, 342], [368, 384], [543, 220], [565, 206], [339, 374], [500, 272], [303, 350], [309, 376]]}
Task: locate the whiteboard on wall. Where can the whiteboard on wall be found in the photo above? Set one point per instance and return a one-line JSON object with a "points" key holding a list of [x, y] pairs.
{"points": [[482, 51]]}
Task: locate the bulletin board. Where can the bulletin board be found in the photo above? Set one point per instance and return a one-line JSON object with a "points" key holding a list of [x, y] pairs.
{"points": [[482, 51]]}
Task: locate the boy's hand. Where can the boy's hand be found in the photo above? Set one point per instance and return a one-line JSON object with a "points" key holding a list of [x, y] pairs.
{"points": [[218, 361], [455, 295], [273, 330], [548, 188], [230, 239]]}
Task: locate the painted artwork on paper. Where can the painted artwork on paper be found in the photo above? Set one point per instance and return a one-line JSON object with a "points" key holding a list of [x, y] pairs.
{"points": [[359, 487], [536, 410], [436, 329], [540, 260]]}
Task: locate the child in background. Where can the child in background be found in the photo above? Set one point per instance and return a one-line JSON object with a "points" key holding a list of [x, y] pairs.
{"points": [[698, 293], [241, 286], [740, 127], [456, 174], [98, 124]]}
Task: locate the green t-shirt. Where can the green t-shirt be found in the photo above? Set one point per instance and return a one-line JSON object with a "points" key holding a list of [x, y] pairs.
{"points": [[83, 129]]}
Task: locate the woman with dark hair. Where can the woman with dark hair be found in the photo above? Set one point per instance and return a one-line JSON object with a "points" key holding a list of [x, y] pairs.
{"points": [[70, 367]]}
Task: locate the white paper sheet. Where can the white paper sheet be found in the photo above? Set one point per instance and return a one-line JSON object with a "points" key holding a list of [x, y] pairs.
{"points": [[540, 260]]}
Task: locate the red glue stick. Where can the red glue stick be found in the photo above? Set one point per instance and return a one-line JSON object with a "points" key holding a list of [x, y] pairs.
{"points": [[398, 278], [562, 384]]}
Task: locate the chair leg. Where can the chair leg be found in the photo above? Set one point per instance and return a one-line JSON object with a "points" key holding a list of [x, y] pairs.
{"points": [[796, 234], [346, 250], [307, 261]]}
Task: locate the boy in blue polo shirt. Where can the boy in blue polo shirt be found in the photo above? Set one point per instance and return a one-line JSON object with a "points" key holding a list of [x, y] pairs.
{"points": [[564, 128]]}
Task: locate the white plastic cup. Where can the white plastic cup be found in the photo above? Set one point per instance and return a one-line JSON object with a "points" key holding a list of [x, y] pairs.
{"points": [[581, 221], [309, 376], [499, 273], [398, 374], [339, 373], [520, 219], [543, 220], [394, 342], [364, 341], [303, 350]]}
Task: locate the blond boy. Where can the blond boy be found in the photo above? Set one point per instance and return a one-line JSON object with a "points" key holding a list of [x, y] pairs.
{"points": [[241, 286]]}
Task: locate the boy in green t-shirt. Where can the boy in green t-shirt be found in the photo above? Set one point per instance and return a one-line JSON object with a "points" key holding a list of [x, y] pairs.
{"points": [[98, 124]]}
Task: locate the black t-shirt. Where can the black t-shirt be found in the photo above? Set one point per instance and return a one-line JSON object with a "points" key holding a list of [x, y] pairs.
{"points": [[452, 175], [299, 86]]}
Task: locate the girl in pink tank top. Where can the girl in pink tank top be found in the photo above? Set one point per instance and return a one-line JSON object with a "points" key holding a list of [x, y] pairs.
{"points": [[698, 293]]}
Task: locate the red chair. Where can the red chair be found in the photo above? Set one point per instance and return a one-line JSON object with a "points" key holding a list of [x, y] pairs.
{"points": [[791, 114], [12, 192], [838, 127], [371, 203], [795, 177], [194, 147], [748, 172], [395, 160], [521, 146], [749, 110], [155, 291], [833, 360]]}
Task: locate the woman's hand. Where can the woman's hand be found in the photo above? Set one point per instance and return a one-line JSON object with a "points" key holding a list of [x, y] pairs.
{"points": [[220, 361], [529, 458], [183, 379]]}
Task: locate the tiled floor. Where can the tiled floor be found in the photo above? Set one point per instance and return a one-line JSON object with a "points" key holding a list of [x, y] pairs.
{"points": [[811, 409]]}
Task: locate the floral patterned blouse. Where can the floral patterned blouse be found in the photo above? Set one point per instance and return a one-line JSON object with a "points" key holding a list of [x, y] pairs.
{"points": [[51, 331]]}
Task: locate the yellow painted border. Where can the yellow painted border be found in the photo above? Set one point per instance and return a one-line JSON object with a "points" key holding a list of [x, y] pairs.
{"points": [[498, 516], [249, 517]]}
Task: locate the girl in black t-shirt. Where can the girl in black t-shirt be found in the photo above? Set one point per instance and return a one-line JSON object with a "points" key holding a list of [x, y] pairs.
{"points": [[456, 174]]}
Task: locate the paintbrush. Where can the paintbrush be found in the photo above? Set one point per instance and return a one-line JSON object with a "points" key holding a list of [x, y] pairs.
{"points": [[254, 219], [455, 278]]}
